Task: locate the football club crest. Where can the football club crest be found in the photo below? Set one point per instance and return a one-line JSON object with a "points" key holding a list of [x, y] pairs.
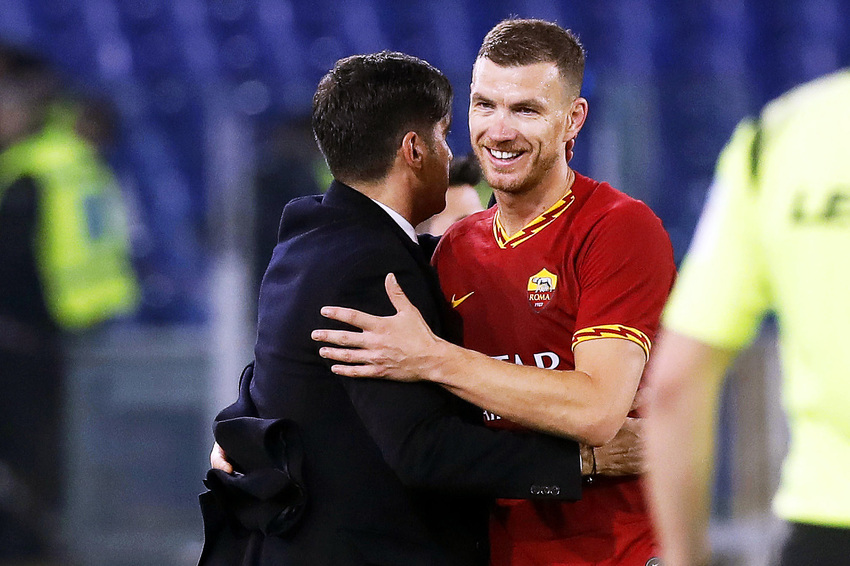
{"points": [[541, 287]]}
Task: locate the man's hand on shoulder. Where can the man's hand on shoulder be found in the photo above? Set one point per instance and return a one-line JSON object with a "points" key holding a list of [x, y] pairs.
{"points": [[398, 347]]}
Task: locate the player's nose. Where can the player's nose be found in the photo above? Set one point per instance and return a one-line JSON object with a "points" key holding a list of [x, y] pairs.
{"points": [[500, 128]]}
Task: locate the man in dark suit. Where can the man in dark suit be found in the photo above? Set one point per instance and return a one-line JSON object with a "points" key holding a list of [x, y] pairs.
{"points": [[341, 471]]}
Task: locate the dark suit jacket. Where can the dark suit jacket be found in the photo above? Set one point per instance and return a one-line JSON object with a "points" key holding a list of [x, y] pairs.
{"points": [[395, 474]]}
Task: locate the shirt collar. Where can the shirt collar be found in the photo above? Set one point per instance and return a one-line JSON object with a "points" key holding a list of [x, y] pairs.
{"points": [[400, 220]]}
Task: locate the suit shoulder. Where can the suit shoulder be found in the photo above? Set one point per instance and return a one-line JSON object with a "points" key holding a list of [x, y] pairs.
{"points": [[304, 214], [332, 240]]}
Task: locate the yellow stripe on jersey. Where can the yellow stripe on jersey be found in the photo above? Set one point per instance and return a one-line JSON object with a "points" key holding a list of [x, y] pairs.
{"points": [[533, 227], [613, 331]]}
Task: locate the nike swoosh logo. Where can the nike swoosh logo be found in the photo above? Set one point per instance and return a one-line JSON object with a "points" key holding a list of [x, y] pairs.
{"points": [[456, 302]]}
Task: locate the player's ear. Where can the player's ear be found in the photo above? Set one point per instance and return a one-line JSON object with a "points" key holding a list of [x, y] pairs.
{"points": [[577, 115], [412, 149]]}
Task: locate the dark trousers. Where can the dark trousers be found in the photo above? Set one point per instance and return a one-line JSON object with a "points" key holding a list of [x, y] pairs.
{"points": [[816, 545], [31, 453]]}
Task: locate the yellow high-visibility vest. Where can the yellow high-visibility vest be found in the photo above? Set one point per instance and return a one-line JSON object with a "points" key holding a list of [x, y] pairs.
{"points": [[82, 244]]}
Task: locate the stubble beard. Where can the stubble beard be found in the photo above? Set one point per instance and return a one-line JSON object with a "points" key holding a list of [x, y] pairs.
{"points": [[535, 173]]}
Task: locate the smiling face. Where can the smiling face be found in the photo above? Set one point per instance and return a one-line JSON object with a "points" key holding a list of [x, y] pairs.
{"points": [[520, 119]]}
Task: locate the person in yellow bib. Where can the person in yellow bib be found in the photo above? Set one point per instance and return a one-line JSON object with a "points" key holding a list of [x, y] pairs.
{"points": [[64, 267], [774, 237], [81, 242]]}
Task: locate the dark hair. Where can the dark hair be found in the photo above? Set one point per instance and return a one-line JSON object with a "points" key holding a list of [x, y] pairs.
{"points": [[16, 61], [365, 105], [518, 42], [464, 171], [28, 71]]}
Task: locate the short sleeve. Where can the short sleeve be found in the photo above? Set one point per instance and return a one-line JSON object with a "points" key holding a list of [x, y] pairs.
{"points": [[721, 295], [625, 272]]}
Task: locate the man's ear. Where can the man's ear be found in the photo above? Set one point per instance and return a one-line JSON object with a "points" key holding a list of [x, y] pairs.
{"points": [[577, 115], [412, 149]]}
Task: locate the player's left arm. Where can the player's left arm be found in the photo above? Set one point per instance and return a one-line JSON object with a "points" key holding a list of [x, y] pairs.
{"points": [[686, 376]]}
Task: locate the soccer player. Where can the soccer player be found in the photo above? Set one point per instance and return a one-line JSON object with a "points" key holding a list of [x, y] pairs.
{"points": [[774, 236], [564, 279]]}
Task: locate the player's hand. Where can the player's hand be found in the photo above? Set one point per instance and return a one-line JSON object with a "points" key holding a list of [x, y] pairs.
{"points": [[218, 459], [397, 347], [625, 455]]}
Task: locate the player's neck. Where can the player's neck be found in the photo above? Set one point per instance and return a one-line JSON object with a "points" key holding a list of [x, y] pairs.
{"points": [[394, 192], [517, 210]]}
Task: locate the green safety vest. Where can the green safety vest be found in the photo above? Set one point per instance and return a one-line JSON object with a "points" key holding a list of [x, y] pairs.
{"points": [[81, 247]]}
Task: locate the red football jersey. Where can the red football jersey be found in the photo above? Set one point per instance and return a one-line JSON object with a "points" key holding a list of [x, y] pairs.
{"points": [[597, 264]]}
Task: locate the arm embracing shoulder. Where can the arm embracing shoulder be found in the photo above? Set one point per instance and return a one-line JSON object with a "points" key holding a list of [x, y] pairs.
{"points": [[431, 438]]}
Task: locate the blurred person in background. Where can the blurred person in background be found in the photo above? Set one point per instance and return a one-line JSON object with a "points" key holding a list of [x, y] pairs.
{"points": [[64, 267], [774, 237], [462, 198], [565, 279], [289, 165]]}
